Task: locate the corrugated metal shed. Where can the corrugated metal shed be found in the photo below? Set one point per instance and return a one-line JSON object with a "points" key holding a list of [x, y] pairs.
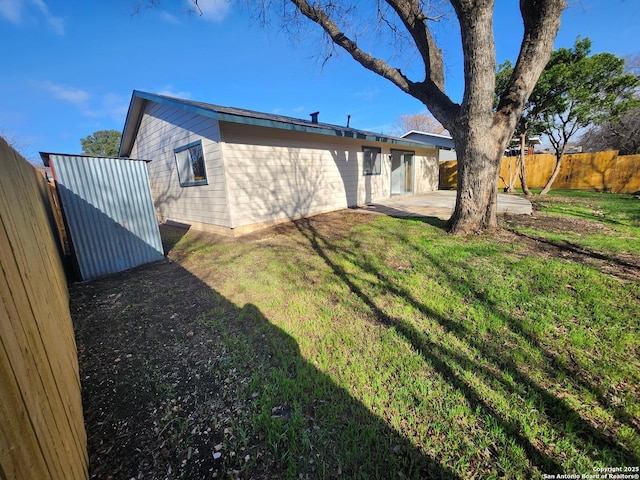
{"points": [[108, 211]]}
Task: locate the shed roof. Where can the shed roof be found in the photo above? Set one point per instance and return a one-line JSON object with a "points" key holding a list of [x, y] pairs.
{"points": [[46, 157], [242, 116]]}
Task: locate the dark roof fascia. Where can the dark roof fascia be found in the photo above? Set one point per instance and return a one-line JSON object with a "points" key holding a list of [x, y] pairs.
{"points": [[323, 129], [46, 157], [246, 117]]}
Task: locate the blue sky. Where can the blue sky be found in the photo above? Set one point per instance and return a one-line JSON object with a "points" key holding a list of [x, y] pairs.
{"points": [[69, 67]]}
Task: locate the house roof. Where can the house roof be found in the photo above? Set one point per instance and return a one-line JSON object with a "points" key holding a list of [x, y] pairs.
{"points": [[437, 139], [139, 100]]}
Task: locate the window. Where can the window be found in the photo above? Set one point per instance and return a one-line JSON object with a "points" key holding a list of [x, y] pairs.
{"points": [[190, 162], [372, 160]]}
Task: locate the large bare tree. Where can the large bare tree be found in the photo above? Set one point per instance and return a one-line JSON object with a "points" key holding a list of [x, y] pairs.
{"points": [[622, 134], [480, 131], [420, 122]]}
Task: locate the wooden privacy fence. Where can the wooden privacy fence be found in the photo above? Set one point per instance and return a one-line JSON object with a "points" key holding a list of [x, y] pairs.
{"points": [[601, 171], [42, 433]]}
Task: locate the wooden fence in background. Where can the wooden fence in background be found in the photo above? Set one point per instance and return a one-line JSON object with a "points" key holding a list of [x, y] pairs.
{"points": [[42, 433], [601, 171]]}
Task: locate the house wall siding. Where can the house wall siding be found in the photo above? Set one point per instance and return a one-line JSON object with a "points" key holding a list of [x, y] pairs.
{"points": [[426, 172], [258, 175], [164, 128], [276, 174]]}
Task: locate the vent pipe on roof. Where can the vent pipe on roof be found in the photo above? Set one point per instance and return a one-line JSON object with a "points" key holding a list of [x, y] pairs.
{"points": [[314, 117], [348, 120]]}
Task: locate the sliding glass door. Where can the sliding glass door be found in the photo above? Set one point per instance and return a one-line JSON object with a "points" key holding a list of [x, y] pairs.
{"points": [[401, 172]]}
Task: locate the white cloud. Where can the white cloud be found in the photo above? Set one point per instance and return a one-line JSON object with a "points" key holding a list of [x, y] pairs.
{"points": [[115, 106], [367, 94], [213, 10], [75, 96], [11, 10], [20, 11], [168, 91], [110, 106], [57, 23]]}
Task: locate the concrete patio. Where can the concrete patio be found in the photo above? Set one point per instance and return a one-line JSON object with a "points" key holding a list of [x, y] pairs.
{"points": [[440, 204]]}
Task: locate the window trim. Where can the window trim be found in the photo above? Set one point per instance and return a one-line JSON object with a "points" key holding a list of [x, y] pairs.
{"points": [[191, 183], [372, 171]]}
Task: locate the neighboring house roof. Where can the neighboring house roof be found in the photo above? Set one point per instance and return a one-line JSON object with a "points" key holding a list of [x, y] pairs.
{"points": [[247, 117], [437, 139]]}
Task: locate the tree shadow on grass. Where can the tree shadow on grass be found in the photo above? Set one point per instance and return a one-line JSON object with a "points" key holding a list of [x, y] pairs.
{"points": [[453, 364], [178, 382], [399, 213], [556, 368], [577, 249]]}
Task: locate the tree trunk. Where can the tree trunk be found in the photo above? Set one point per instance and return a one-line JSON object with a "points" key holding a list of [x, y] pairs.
{"points": [[523, 178], [480, 129], [477, 195], [509, 186], [523, 170], [556, 170]]}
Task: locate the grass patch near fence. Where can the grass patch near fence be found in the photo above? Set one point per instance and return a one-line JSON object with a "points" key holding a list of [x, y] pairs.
{"points": [[606, 223], [361, 346]]}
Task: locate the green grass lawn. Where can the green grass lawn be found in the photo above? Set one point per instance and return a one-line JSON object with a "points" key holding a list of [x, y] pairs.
{"points": [[614, 219], [385, 348]]}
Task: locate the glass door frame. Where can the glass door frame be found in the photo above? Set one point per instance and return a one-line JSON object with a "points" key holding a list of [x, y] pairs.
{"points": [[404, 172]]}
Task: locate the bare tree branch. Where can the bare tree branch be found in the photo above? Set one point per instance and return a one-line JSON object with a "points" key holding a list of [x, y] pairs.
{"points": [[414, 21], [155, 3], [421, 122], [541, 23], [428, 91]]}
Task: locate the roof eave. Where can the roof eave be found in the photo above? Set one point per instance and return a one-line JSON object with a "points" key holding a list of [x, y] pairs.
{"points": [[139, 99], [324, 129], [131, 124]]}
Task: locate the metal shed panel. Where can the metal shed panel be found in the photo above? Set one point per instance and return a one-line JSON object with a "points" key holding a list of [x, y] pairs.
{"points": [[109, 213]]}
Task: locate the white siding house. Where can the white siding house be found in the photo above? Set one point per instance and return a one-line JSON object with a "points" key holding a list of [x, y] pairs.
{"points": [[231, 170]]}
